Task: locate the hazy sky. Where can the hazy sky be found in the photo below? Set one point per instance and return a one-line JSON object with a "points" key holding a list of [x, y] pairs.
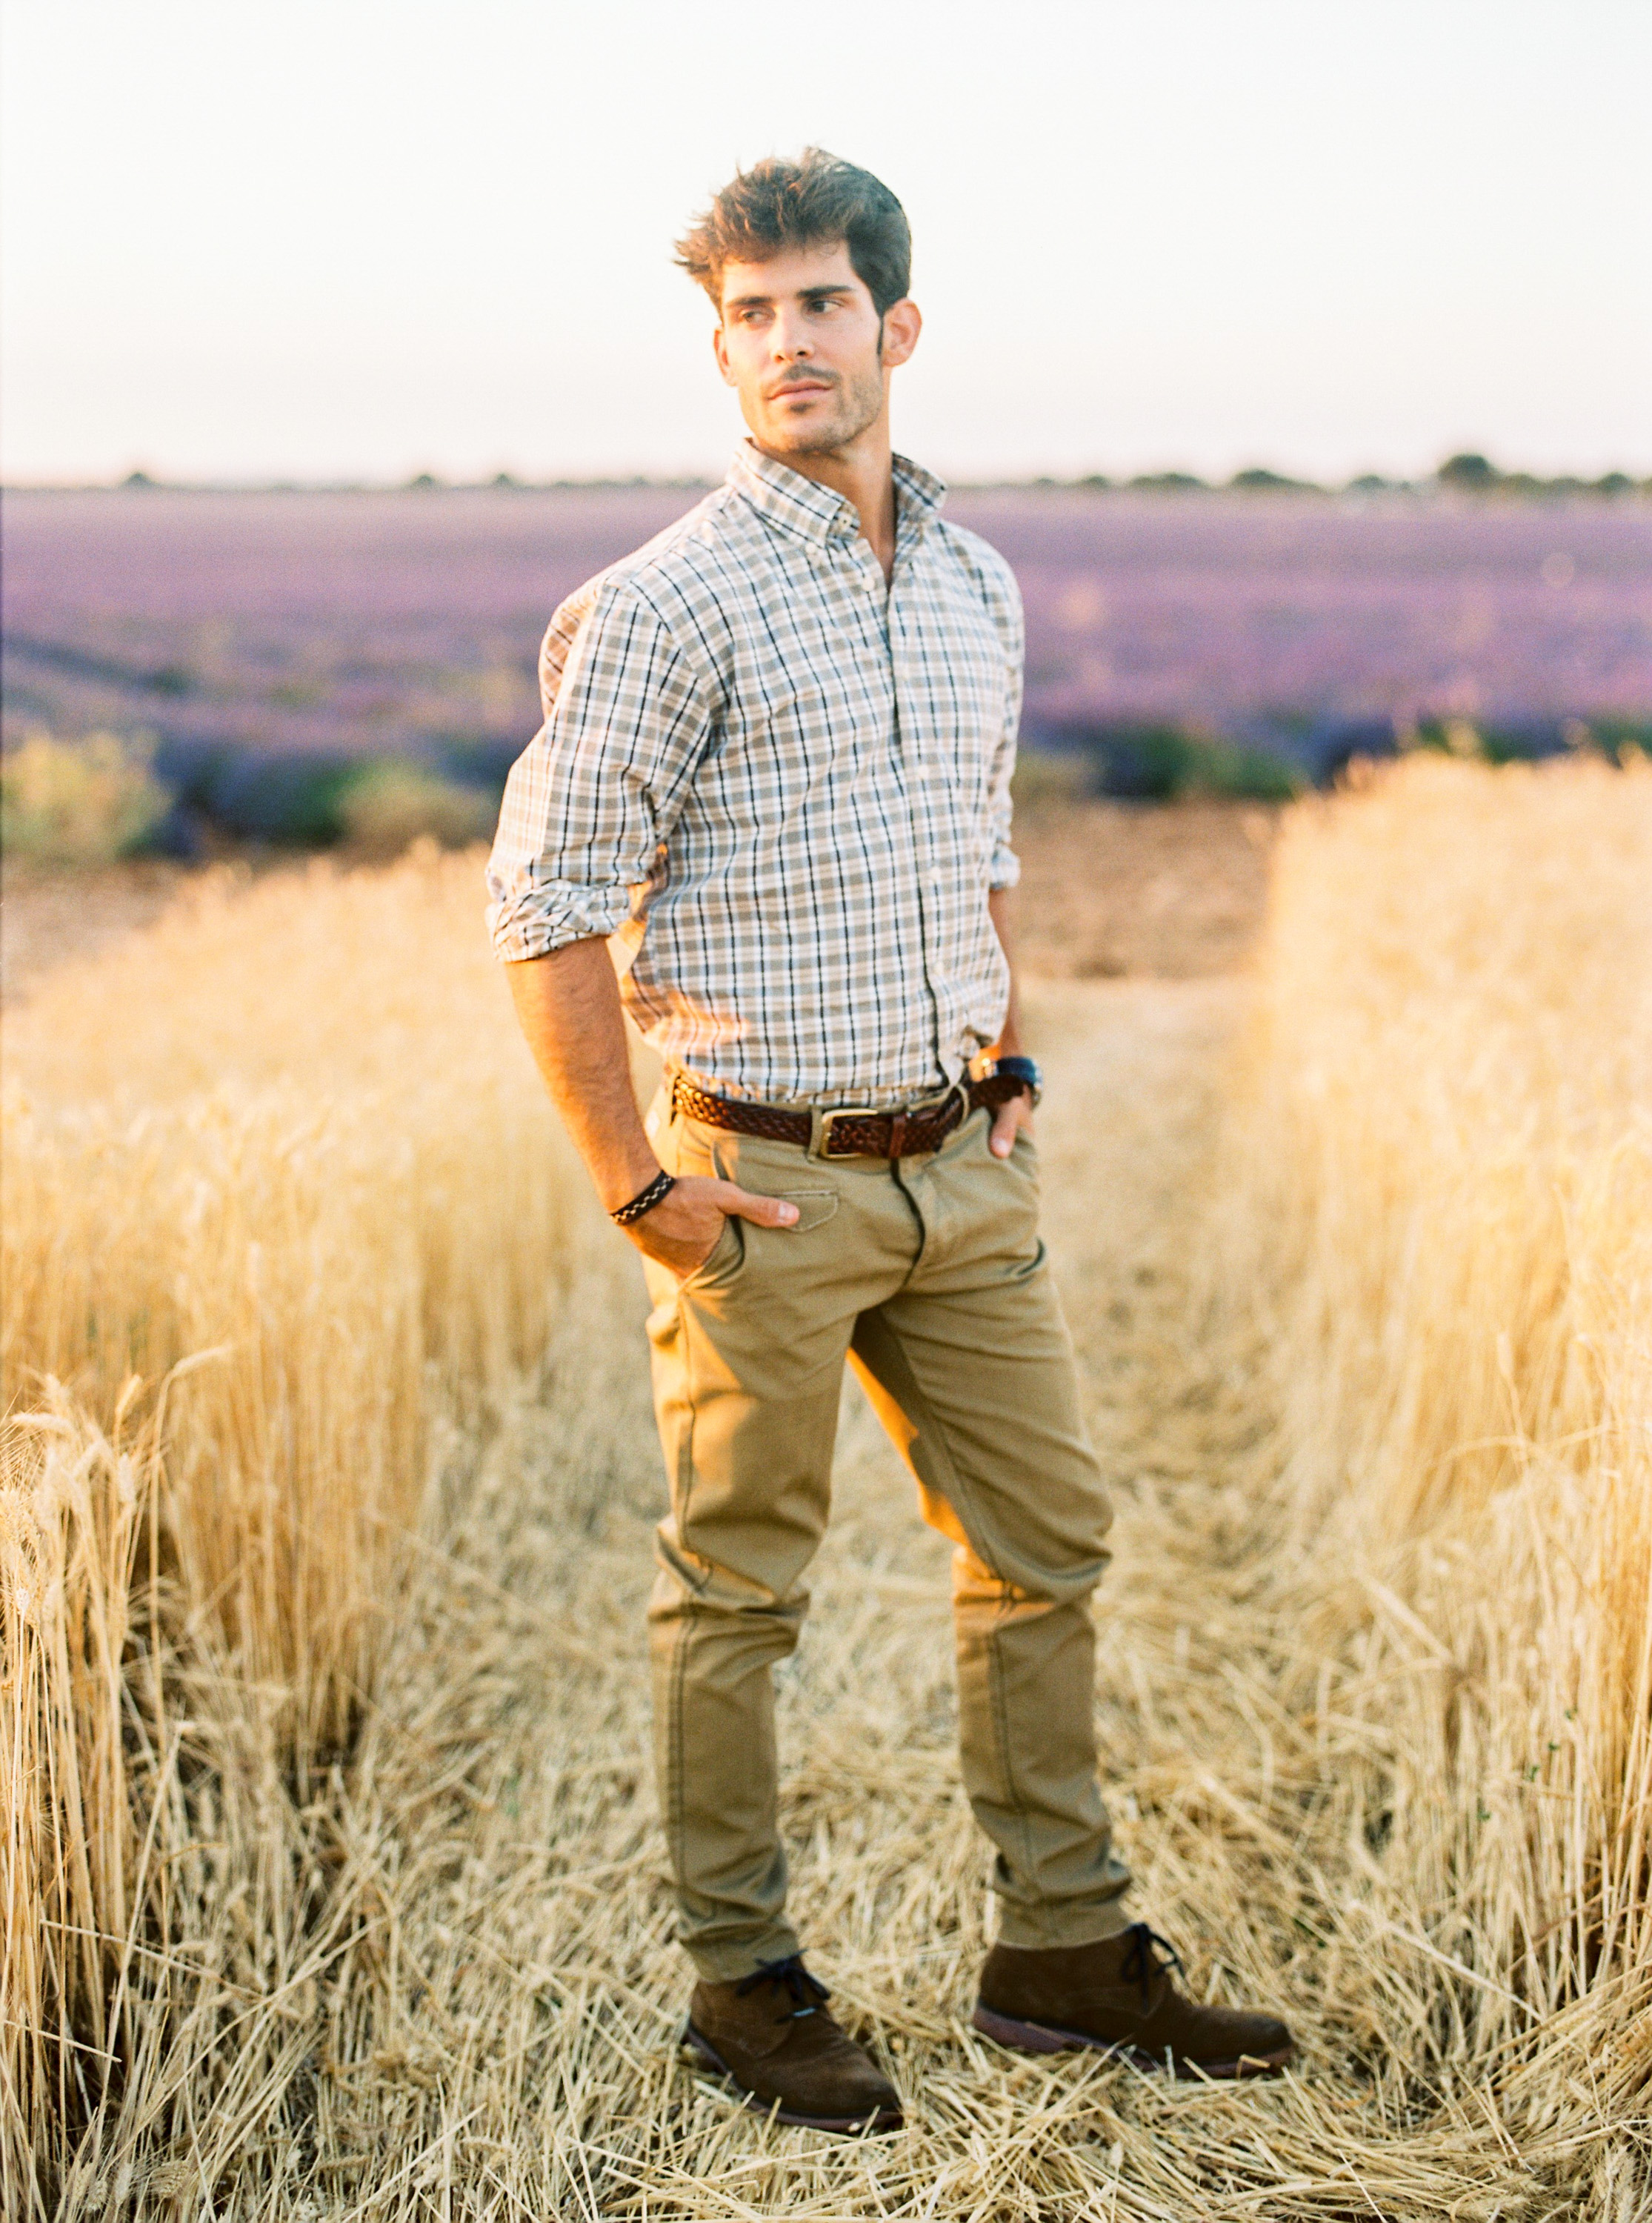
{"points": [[374, 237]]}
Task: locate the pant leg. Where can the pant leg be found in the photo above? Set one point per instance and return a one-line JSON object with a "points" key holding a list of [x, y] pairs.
{"points": [[971, 1368], [748, 1359]]}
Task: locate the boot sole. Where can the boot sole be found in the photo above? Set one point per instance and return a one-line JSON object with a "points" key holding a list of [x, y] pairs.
{"points": [[882, 2119], [1041, 2037]]}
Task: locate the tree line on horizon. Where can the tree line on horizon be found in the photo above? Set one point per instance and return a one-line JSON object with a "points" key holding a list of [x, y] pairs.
{"points": [[1465, 473]]}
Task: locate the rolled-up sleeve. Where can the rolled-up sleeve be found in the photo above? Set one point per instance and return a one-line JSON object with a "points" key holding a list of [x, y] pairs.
{"points": [[589, 803]]}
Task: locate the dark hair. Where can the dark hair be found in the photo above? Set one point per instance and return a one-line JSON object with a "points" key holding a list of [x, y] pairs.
{"points": [[779, 204]]}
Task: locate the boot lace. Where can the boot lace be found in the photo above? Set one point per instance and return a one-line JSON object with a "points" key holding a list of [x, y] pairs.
{"points": [[1140, 1963], [806, 1992]]}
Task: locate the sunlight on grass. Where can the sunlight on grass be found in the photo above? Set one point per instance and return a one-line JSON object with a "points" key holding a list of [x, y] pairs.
{"points": [[331, 1878]]}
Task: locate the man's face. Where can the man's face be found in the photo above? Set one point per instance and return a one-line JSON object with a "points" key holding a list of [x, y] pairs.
{"points": [[799, 341]]}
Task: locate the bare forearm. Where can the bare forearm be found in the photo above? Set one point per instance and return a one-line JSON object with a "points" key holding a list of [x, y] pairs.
{"points": [[568, 1005]]}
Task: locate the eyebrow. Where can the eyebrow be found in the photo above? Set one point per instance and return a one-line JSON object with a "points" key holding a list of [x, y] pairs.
{"points": [[805, 294]]}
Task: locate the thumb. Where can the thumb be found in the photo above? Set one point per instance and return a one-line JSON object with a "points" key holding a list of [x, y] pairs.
{"points": [[765, 1210], [1004, 1133]]}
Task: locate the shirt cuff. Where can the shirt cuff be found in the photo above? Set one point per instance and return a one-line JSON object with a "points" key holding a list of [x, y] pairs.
{"points": [[1005, 869], [528, 918]]}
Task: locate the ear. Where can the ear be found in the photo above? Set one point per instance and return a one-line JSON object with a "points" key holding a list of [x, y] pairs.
{"points": [[719, 349], [903, 322]]}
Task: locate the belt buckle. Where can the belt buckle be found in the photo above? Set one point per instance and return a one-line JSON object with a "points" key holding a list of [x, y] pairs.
{"points": [[821, 1142], [898, 1115]]}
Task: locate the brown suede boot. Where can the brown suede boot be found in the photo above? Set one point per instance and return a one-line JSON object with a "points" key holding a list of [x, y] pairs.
{"points": [[770, 2035], [1116, 1995]]}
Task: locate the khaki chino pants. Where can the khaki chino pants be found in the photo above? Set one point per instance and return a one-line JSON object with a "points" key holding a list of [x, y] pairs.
{"points": [[929, 1277]]}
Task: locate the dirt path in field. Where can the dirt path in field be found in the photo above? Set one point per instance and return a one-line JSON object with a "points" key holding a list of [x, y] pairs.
{"points": [[504, 2044], [505, 1810]]}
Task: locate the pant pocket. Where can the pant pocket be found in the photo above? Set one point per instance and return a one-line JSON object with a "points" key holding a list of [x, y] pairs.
{"points": [[728, 1257]]}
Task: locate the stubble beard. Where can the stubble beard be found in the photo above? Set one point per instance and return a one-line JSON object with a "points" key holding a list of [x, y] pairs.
{"points": [[859, 401]]}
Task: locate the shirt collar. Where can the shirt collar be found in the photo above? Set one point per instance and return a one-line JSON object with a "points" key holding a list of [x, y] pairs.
{"points": [[803, 507]]}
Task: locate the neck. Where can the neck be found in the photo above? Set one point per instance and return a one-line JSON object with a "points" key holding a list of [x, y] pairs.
{"points": [[863, 472]]}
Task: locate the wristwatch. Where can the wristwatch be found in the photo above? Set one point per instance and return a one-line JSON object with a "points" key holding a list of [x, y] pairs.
{"points": [[1025, 1070]]}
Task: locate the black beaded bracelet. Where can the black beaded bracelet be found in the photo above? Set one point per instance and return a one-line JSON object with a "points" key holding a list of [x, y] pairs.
{"points": [[645, 1199]]}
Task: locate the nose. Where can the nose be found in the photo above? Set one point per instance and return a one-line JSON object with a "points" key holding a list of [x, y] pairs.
{"points": [[790, 339]]}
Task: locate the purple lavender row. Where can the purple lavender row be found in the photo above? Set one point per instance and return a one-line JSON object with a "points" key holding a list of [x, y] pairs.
{"points": [[357, 624]]}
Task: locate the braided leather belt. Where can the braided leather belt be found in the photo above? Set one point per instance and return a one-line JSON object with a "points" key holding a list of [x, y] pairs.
{"points": [[853, 1132]]}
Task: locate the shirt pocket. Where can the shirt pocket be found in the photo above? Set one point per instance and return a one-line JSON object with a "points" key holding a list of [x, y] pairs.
{"points": [[805, 729]]}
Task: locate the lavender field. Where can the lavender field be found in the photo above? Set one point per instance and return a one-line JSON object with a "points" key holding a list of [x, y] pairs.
{"points": [[237, 628]]}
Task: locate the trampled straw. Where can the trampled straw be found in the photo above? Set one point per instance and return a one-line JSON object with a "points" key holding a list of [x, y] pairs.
{"points": [[1356, 1260]]}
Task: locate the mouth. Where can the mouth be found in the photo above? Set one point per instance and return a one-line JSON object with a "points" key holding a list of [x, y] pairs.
{"points": [[802, 390]]}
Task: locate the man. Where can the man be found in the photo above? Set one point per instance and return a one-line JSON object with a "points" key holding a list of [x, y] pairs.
{"points": [[774, 769]]}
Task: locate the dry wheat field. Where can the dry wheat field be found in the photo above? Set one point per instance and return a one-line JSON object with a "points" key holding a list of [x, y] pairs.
{"points": [[331, 1886]]}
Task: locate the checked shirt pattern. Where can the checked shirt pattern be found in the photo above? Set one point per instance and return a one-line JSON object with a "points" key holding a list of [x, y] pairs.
{"points": [[784, 790]]}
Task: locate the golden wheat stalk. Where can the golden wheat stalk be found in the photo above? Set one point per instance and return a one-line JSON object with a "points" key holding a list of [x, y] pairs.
{"points": [[330, 1832]]}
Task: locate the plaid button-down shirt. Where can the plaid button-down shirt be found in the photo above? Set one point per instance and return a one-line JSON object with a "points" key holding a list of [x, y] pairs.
{"points": [[786, 789]]}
